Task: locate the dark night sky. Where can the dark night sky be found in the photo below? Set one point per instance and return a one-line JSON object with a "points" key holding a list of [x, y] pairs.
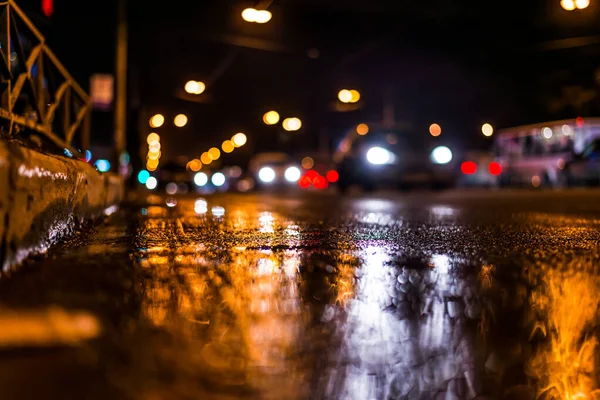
{"points": [[459, 63]]}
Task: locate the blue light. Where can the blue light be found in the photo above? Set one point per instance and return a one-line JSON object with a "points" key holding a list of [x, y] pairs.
{"points": [[102, 165], [68, 153], [143, 176], [88, 156]]}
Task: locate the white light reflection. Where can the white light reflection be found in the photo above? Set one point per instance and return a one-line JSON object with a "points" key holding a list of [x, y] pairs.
{"points": [[200, 206], [217, 211], [443, 211], [265, 220], [404, 333]]}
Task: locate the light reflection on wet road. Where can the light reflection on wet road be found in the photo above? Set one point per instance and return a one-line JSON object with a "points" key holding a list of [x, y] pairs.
{"points": [[421, 297]]}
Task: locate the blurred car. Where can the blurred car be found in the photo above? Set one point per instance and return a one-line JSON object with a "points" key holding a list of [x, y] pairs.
{"points": [[382, 159], [582, 169], [274, 171], [173, 178], [479, 169]]}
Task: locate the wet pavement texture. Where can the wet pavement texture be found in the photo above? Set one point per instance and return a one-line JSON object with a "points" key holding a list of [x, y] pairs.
{"points": [[423, 296]]}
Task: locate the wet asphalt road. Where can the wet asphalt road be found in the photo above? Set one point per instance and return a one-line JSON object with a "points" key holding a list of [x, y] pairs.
{"points": [[455, 295]]}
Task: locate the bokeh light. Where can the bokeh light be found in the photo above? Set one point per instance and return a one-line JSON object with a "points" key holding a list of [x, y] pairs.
{"points": [[441, 155], [547, 133], [249, 15], [536, 181], [266, 174], [239, 139], [362, 129], [151, 165], [151, 183], [435, 130], [355, 96], [228, 146], [345, 96], [154, 147], [195, 165], [154, 155], [568, 5], [157, 121], [153, 137], [218, 179], [262, 16], [214, 153], [180, 120], [143, 176], [332, 176], [581, 4], [292, 124], [487, 129], [102, 165], [271, 118], [308, 162], [205, 158], [200, 179], [195, 87], [292, 174]]}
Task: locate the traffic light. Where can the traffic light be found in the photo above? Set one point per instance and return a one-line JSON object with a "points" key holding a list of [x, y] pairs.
{"points": [[48, 7]]}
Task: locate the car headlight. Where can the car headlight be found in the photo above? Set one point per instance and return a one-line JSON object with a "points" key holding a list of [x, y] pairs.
{"points": [[441, 155], [266, 174], [218, 179], [379, 156], [200, 179], [292, 174]]}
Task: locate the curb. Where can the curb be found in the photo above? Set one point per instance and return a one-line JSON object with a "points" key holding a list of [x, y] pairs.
{"points": [[45, 198]]}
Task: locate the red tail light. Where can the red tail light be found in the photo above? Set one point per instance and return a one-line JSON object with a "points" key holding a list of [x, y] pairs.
{"points": [[468, 168], [332, 176], [304, 182], [495, 168], [320, 182]]}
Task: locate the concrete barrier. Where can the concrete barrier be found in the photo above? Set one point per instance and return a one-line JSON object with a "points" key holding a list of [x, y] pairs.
{"points": [[44, 198]]}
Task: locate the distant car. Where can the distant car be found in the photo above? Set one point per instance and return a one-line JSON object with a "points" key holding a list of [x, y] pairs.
{"points": [[382, 160], [174, 179], [582, 169], [274, 171], [479, 169]]}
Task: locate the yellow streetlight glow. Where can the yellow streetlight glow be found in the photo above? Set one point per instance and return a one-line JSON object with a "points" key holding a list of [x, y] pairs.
{"points": [[239, 139], [249, 15], [271, 118], [345, 96], [154, 155], [568, 5], [362, 129], [195, 165], [487, 130], [228, 146], [355, 96], [262, 16], [214, 153], [153, 137], [292, 124], [581, 4], [151, 165], [195, 87], [154, 147], [157, 121], [205, 158], [180, 120], [435, 130]]}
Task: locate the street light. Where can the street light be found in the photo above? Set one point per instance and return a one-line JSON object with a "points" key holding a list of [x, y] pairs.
{"points": [[435, 130], [581, 4], [195, 87], [362, 129], [180, 120], [228, 146], [355, 96], [153, 137], [345, 96], [157, 121], [239, 139], [271, 118], [487, 130], [214, 153], [205, 158], [258, 16], [292, 124]]}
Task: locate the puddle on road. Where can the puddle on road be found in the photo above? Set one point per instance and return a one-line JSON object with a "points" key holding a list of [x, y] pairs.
{"points": [[243, 302]]}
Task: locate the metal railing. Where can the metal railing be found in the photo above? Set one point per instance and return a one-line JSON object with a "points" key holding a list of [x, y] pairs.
{"points": [[38, 93]]}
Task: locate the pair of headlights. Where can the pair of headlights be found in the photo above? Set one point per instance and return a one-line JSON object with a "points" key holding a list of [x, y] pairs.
{"points": [[382, 156]]}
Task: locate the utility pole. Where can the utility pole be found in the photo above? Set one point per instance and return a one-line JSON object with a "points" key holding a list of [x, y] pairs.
{"points": [[121, 78]]}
